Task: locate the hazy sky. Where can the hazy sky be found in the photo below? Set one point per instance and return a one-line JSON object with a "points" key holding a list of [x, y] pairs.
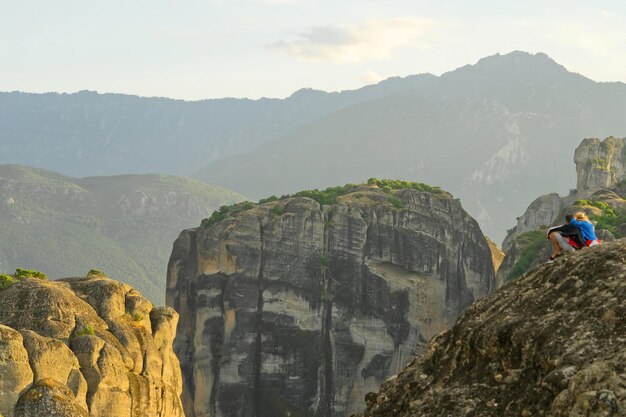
{"points": [[196, 49]]}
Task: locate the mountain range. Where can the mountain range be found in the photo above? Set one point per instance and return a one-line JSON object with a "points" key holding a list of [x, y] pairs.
{"points": [[495, 134], [119, 225]]}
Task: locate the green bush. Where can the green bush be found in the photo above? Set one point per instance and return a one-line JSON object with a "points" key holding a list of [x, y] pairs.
{"points": [[29, 273], [278, 210], [386, 185], [325, 260], [95, 273], [6, 281], [268, 199], [226, 211], [533, 243], [608, 220], [395, 202], [137, 317]]}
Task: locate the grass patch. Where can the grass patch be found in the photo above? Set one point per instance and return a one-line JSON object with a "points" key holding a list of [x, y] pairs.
{"points": [[533, 243], [87, 330]]}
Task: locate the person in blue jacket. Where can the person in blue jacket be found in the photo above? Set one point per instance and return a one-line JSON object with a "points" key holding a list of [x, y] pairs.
{"points": [[581, 221]]}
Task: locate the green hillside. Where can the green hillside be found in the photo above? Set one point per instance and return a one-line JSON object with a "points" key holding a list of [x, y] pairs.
{"points": [[123, 225]]}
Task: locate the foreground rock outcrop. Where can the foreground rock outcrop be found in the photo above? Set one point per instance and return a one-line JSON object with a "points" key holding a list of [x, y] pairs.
{"points": [[83, 347], [296, 308], [551, 344]]}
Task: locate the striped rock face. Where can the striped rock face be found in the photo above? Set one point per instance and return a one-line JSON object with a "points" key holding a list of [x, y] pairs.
{"points": [[295, 309]]}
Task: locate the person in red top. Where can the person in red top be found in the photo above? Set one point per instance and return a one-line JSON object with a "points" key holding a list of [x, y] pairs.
{"points": [[565, 238]]}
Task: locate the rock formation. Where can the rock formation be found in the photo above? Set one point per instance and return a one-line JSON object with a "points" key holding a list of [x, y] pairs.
{"points": [[600, 164], [83, 347], [601, 188], [296, 308], [552, 343], [541, 213]]}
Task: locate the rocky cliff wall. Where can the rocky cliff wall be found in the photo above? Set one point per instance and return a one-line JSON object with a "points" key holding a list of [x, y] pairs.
{"points": [[552, 343], [86, 347], [600, 164], [292, 308]]}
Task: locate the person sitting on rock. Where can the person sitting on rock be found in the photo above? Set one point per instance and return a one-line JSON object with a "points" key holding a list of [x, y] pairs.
{"points": [[565, 238], [581, 221]]}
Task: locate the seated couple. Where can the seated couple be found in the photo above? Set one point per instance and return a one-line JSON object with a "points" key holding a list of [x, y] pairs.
{"points": [[576, 233]]}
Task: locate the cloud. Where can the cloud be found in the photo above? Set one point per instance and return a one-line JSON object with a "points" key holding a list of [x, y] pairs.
{"points": [[372, 77], [374, 40]]}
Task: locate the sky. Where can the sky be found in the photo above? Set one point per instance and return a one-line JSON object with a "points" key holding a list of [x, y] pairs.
{"points": [[196, 49]]}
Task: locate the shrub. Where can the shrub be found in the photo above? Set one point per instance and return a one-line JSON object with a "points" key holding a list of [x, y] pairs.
{"points": [[226, 211], [137, 317], [401, 185], [29, 273], [325, 260], [395, 202], [268, 199], [6, 281], [278, 210], [534, 242], [95, 273]]}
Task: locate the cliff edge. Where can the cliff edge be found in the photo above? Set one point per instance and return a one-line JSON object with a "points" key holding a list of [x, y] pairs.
{"points": [[552, 343]]}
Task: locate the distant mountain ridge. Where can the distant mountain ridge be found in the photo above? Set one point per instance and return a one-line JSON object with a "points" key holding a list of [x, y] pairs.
{"points": [[87, 133], [495, 134], [120, 225]]}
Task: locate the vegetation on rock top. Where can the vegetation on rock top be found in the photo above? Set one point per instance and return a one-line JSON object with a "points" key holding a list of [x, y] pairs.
{"points": [[607, 218], [327, 196], [7, 280]]}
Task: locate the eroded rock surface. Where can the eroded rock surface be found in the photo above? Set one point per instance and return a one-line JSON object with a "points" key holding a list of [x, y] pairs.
{"points": [[83, 347], [292, 308], [600, 164], [551, 344]]}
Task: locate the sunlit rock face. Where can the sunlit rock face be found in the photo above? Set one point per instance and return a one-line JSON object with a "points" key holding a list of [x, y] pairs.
{"points": [[292, 308], [83, 347], [600, 164]]}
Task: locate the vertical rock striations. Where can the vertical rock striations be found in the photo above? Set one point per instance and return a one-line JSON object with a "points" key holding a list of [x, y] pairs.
{"points": [[296, 308], [85, 347]]}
